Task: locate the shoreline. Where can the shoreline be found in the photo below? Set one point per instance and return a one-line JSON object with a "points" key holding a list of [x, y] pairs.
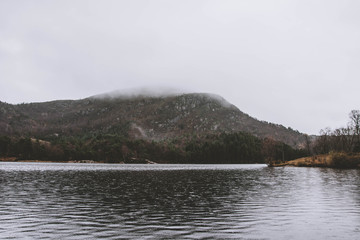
{"points": [[132, 161], [331, 160]]}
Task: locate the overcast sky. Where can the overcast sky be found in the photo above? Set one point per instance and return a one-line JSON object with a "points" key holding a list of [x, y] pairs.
{"points": [[291, 62]]}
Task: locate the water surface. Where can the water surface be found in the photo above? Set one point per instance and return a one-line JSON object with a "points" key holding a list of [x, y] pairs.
{"points": [[89, 201]]}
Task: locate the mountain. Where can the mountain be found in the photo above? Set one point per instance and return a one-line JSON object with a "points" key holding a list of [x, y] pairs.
{"points": [[153, 118]]}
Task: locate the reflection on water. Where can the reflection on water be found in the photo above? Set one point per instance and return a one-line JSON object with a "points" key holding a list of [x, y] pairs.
{"points": [[87, 201]]}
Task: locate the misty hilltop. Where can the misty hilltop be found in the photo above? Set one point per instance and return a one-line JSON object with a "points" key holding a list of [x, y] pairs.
{"points": [[153, 118]]}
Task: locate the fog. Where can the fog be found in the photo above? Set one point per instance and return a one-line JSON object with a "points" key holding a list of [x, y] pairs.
{"points": [[140, 92], [293, 63], [159, 92]]}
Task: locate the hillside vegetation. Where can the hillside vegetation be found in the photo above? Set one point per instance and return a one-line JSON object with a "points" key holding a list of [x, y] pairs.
{"points": [[182, 128]]}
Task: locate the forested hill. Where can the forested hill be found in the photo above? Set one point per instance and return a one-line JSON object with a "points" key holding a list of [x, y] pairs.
{"points": [[139, 117]]}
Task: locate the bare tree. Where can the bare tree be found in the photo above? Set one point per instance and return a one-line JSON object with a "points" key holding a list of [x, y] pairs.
{"points": [[308, 144], [346, 139], [342, 139], [355, 126], [355, 121], [322, 144]]}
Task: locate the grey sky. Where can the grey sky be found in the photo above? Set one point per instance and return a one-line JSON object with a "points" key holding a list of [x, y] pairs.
{"points": [[295, 63]]}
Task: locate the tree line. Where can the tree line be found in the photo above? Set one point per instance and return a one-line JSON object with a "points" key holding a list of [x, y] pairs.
{"points": [[344, 139], [224, 148]]}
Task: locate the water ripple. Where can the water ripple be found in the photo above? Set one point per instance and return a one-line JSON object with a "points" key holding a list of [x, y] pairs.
{"points": [[86, 201]]}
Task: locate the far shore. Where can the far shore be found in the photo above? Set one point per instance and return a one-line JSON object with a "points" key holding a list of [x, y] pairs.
{"points": [[130, 161], [14, 159]]}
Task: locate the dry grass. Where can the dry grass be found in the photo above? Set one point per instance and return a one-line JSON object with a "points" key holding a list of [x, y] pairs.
{"points": [[331, 160]]}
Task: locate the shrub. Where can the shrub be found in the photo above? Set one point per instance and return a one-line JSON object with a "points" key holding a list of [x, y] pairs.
{"points": [[343, 160]]}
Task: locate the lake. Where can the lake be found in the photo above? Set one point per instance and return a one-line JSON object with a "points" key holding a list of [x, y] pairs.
{"points": [[89, 201]]}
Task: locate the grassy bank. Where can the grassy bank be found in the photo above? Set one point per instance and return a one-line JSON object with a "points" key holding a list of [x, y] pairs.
{"points": [[331, 160]]}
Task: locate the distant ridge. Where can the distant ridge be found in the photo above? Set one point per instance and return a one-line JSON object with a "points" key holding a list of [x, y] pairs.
{"points": [[146, 116]]}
